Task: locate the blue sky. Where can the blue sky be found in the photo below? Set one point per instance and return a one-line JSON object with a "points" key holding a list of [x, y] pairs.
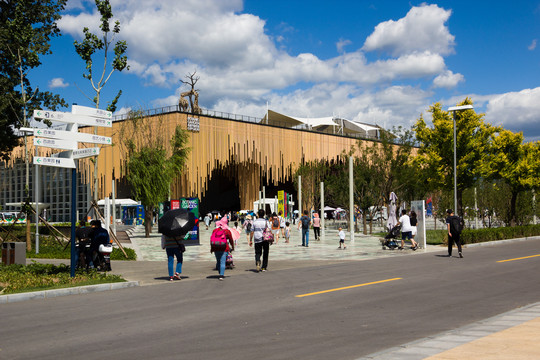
{"points": [[380, 62]]}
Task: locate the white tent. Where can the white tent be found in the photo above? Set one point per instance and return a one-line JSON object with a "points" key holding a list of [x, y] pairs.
{"points": [[337, 125]]}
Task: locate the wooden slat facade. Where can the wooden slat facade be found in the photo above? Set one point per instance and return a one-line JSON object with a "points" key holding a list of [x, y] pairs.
{"points": [[243, 151]]}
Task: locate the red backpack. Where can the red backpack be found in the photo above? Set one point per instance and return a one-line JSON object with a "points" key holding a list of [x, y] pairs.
{"points": [[218, 240]]}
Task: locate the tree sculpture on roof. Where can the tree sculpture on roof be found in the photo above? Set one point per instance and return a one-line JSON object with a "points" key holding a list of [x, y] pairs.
{"points": [[193, 105]]}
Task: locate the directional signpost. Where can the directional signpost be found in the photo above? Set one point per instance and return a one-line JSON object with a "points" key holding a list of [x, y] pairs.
{"points": [[56, 144], [69, 140]]}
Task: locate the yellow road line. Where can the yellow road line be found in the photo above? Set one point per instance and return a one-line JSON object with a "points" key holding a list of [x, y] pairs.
{"points": [[347, 287], [521, 258]]}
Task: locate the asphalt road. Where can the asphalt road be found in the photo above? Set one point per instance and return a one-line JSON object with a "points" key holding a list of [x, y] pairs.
{"points": [[259, 316]]}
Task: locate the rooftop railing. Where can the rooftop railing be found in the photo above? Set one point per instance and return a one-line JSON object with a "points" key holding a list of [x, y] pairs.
{"points": [[244, 118]]}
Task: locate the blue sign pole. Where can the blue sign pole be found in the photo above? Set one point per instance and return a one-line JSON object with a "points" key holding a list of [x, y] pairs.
{"points": [[73, 220]]}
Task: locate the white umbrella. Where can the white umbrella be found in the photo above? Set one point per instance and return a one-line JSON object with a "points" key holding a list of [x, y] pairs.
{"points": [[392, 220]]}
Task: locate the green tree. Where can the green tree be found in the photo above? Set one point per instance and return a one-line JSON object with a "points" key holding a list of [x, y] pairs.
{"points": [[93, 44], [312, 174], [151, 164], [436, 152], [26, 28], [515, 163]]}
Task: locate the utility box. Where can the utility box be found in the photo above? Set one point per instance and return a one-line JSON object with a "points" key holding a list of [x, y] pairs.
{"points": [[14, 253]]}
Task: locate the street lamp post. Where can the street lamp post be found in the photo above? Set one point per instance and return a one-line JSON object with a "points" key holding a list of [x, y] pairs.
{"points": [[454, 109]]}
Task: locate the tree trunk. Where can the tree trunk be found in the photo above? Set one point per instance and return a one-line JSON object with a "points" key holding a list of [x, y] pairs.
{"points": [[513, 200], [148, 216]]}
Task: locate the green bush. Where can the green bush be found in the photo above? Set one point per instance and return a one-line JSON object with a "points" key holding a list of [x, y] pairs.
{"points": [[35, 277], [471, 236], [49, 248], [117, 254], [435, 237]]}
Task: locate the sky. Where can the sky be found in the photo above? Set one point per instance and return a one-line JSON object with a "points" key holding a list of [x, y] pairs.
{"points": [[382, 62]]}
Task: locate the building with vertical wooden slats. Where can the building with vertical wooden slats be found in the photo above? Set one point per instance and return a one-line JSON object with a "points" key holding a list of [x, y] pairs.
{"points": [[231, 159]]}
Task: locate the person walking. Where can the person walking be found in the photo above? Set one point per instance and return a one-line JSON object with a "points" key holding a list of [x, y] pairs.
{"points": [[223, 235], [341, 235], [453, 225], [261, 247], [207, 220], [282, 221], [275, 223], [304, 223], [414, 231], [247, 225], [317, 226], [406, 230], [173, 248]]}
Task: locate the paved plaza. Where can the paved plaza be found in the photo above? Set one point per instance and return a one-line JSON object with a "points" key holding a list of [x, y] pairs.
{"points": [[363, 247]]}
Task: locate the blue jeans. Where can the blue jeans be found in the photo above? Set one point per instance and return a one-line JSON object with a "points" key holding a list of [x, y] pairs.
{"points": [[305, 237], [171, 253], [221, 260]]}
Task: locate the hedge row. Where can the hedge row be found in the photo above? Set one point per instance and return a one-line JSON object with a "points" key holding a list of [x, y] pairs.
{"points": [[472, 236]]}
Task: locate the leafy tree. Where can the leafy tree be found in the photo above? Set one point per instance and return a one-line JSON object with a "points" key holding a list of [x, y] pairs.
{"points": [[312, 174], [92, 44], [515, 163], [26, 27], [151, 164], [436, 152]]}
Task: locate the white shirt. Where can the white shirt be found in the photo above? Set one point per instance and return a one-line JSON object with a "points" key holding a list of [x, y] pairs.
{"points": [[341, 235], [257, 229], [405, 222]]}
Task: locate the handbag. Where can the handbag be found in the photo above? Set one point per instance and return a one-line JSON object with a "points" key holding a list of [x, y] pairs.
{"points": [[268, 236]]}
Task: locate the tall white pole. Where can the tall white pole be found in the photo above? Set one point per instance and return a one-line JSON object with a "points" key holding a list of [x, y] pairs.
{"points": [[264, 199], [475, 210], [113, 207], [36, 182], [351, 199], [455, 162], [534, 207], [322, 209], [299, 195]]}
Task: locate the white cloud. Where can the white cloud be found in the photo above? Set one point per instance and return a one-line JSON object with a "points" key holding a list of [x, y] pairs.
{"points": [[422, 29], [340, 45], [532, 46], [448, 80], [241, 68], [57, 83], [516, 110]]}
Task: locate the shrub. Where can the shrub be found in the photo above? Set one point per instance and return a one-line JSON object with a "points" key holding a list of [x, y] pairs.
{"points": [[470, 236], [34, 277]]}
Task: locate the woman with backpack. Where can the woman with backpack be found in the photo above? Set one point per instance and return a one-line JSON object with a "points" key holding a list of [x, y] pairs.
{"points": [[274, 221], [221, 243], [248, 224]]}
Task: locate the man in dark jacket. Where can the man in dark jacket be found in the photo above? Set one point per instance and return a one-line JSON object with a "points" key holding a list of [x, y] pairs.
{"points": [[98, 236], [453, 226]]}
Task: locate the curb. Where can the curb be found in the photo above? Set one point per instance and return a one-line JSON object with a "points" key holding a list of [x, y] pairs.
{"points": [[78, 290]]}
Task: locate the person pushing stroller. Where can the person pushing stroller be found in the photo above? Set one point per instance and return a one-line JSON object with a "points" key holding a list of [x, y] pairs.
{"points": [[406, 230]]}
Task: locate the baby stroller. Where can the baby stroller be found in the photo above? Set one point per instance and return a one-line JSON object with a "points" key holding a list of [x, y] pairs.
{"points": [[389, 240]]}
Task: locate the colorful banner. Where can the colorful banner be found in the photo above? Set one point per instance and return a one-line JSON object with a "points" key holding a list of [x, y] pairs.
{"points": [[281, 201], [192, 205]]}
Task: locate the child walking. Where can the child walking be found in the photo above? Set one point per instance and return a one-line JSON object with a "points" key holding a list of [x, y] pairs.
{"points": [[341, 235], [287, 231]]}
